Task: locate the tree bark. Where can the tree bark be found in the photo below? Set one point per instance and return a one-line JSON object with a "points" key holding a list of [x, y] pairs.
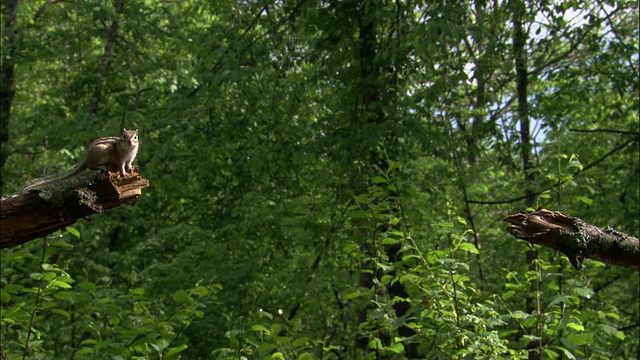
{"points": [[57, 205], [108, 50], [7, 69], [371, 109], [532, 302], [576, 238]]}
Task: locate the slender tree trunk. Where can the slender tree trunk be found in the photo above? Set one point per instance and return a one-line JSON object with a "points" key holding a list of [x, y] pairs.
{"points": [[473, 143], [108, 50], [522, 82], [7, 88], [371, 109], [476, 133], [370, 96]]}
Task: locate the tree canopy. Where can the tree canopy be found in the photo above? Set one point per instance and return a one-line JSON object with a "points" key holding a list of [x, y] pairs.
{"points": [[327, 179]]}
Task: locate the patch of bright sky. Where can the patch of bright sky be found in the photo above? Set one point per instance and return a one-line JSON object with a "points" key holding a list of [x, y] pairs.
{"points": [[574, 18]]}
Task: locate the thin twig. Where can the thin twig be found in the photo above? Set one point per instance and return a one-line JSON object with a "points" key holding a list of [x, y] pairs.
{"points": [[35, 307], [598, 161]]}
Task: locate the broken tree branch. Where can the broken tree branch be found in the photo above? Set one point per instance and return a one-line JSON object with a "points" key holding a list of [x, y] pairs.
{"points": [[57, 205], [575, 238]]}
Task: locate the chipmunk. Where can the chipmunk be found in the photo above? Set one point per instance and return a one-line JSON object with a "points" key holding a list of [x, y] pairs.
{"points": [[111, 152]]}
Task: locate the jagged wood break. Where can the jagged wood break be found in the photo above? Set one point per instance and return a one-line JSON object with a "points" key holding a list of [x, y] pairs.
{"points": [[575, 238], [54, 206]]}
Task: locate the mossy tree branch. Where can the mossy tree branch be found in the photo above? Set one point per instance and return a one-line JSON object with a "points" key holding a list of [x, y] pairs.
{"points": [[576, 238], [57, 205]]}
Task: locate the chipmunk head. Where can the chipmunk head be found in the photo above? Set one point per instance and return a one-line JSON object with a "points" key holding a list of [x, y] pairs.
{"points": [[130, 136]]}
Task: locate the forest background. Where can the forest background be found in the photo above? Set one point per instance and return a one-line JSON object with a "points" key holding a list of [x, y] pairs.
{"points": [[328, 178]]}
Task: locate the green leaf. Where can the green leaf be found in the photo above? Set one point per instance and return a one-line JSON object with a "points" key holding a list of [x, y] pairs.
{"points": [[62, 284], [352, 295], [397, 348], [389, 241], [409, 278], [469, 247], [35, 276], [88, 286], [299, 342], [518, 314], [137, 291], [4, 296], [363, 199], [266, 314], [61, 244], [559, 299], [585, 200], [201, 291], [177, 349], [49, 275], [583, 292], [579, 339], [610, 330], [384, 267], [260, 328], [83, 351], [375, 344], [577, 327], [73, 231], [61, 312], [160, 346], [566, 352], [180, 296], [613, 315], [544, 195], [359, 214], [410, 258]]}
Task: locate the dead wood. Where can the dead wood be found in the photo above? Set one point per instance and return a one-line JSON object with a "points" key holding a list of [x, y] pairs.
{"points": [[54, 206], [575, 238]]}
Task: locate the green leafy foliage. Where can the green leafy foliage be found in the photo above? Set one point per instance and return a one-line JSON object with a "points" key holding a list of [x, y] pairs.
{"points": [[328, 179]]}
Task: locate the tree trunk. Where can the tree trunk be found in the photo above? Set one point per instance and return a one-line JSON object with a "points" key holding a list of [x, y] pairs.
{"points": [[532, 303], [371, 109], [108, 50], [7, 88]]}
